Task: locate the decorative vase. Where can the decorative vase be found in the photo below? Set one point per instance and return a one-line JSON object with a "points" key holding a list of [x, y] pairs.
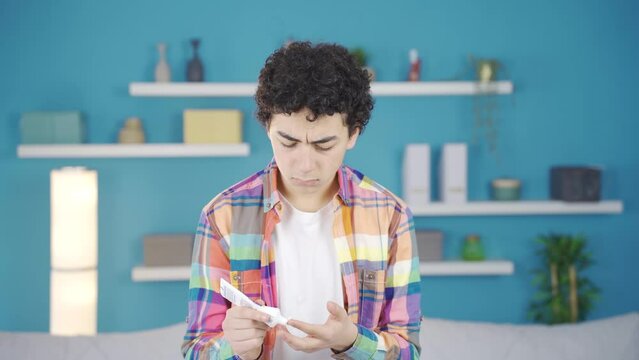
{"points": [[473, 250], [162, 69], [195, 69], [131, 132]]}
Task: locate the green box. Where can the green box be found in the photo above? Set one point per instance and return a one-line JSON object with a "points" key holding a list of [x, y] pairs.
{"points": [[52, 127]]}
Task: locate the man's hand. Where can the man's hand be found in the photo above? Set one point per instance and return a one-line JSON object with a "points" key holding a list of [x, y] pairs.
{"points": [[337, 333], [244, 329]]}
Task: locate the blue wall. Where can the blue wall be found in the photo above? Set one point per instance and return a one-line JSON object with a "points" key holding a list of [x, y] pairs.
{"points": [[573, 64]]}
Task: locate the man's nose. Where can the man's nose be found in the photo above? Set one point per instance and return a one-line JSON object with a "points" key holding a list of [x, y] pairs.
{"points": [[306, 159]]}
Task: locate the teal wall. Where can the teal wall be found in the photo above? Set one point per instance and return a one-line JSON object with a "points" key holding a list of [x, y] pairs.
{"points": [[573, 63]]}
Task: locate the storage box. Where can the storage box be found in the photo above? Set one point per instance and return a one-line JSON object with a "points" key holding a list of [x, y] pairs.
{"points": [[429, 245], [453, 173], [416, 174], [168, 250], [212, 126], [52, 127]]}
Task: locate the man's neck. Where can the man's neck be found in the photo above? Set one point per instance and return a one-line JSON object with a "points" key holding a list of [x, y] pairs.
{"points": [[310, 202]]}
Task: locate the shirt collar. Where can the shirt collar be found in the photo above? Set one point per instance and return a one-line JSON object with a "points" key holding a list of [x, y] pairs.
{"points": [[272, 196]]}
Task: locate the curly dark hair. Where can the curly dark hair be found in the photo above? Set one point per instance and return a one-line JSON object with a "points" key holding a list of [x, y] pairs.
{"points": [[324, 78]]}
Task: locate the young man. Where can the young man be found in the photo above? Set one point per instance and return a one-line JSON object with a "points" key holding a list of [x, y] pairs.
{"points": [[333, 250]]}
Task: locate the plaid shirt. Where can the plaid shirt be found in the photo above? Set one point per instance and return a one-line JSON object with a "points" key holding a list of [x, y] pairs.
{"points": [[375, 241]]}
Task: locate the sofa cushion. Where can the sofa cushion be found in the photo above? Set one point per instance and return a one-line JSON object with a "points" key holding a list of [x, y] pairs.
{"points": [[614, 338], [157, 344]]}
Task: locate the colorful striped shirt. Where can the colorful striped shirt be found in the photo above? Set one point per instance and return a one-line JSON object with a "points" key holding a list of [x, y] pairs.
{"points": [[374, 236]]}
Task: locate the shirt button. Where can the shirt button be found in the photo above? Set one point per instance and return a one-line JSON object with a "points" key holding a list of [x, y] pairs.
{"points": [[279, 207]]}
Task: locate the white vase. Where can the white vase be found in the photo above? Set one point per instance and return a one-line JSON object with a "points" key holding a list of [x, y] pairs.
{"points": [[162, 69]]}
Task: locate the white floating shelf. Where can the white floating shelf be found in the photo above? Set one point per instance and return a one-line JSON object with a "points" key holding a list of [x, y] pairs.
{"points": [[461, 268], [160, 273], [434, 268], [186, 89], [434, 88], [405, 88], [485, 208], [132, 150]]}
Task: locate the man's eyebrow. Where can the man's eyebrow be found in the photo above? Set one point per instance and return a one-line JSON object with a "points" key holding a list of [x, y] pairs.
{"points": [[320, 141]]}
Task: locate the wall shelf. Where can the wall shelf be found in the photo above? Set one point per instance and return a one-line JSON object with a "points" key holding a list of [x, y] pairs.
{"points": [[167, 150], [431, 268], [465, 268], [507, 208], [247, 89], [161, 273]]}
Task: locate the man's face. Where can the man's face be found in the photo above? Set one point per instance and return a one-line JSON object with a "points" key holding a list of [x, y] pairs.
{"points": [[308, 154]]}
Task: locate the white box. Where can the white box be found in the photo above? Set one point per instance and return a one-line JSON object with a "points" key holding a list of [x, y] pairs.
{"points": [[416, 174], [453, 173]]}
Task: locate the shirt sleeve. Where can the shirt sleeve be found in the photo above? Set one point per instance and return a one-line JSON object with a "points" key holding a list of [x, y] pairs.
{"points": [[206, 306], [397, 336]]}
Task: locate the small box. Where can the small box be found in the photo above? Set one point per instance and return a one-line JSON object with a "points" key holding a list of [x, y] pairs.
{"points": [[429, 245], [212, 126], [453, 173], [168, 250], [575, 183], [52, 127]]}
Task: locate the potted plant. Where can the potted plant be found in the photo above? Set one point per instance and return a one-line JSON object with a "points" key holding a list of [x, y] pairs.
{"points": [[486, 70], [564, 294], [485, 102], [362, 59]]}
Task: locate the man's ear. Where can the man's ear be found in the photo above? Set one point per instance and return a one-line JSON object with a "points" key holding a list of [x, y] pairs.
{"points": [[352, 140]]}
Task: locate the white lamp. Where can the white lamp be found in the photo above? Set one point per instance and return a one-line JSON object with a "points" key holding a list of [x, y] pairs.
{"points": [[74, 251]]}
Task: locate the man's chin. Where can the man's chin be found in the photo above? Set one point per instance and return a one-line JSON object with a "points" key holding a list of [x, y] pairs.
{"points": [[311, 183]]}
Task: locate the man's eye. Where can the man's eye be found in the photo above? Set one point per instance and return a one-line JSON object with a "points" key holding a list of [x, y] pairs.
{"points": [[323, 148], [289, 145]]}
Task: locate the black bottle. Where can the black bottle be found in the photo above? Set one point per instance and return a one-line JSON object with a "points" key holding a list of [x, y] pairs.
{"points": [[195, 69]]}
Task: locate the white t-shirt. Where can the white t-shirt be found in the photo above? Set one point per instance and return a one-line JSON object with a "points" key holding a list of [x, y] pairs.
{"points": [[306, 270]]}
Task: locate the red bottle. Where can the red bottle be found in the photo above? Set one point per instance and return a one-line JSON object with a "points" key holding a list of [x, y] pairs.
{"points": [[415, 65]]}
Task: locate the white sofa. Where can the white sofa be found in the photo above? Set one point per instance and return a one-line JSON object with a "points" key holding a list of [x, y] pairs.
{"points": [[614, 338]]}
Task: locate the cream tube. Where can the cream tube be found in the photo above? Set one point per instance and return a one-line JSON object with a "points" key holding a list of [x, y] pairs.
{"points": [[236, 297]]}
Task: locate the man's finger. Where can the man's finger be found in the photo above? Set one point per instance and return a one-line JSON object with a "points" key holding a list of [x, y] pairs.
{"points": [[336, 310], [244, 312], [318, 331], [307, 344], [242, 324], [246, 334]]}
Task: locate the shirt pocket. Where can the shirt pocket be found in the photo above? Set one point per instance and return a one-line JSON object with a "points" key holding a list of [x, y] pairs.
{"points": [[372, 288], [248, 281]]}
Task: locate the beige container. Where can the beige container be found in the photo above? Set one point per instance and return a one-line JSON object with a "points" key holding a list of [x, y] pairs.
{"points": [[212, 126], [131, 132]]}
